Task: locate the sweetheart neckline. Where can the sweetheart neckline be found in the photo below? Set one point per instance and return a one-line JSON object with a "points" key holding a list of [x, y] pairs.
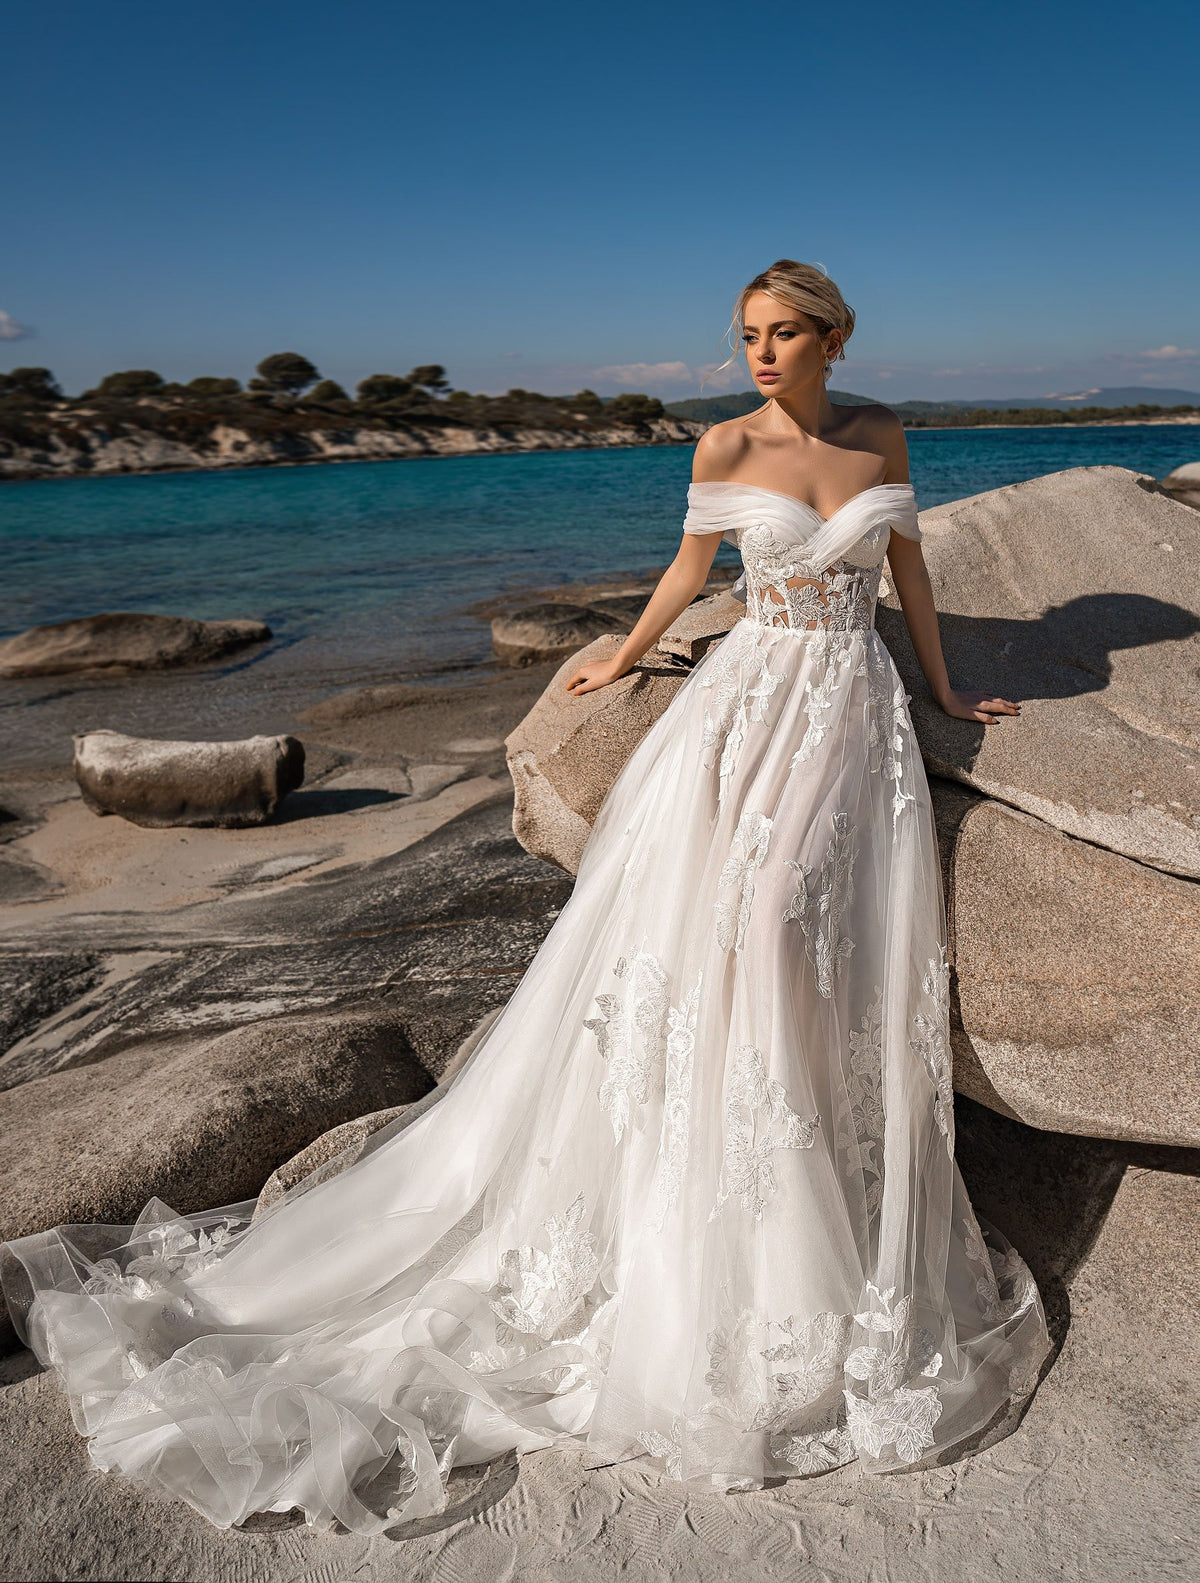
{"points": [[782, 494]]}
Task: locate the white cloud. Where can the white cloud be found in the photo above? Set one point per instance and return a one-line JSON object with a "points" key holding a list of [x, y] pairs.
{"points": [[10, 330], [674, 379], [1174, 354]]}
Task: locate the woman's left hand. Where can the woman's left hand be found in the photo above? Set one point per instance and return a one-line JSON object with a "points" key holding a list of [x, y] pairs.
{"points": [[961, 705]]}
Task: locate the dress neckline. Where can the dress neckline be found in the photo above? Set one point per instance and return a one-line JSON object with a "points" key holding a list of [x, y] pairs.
{"points": [[782, 494]]}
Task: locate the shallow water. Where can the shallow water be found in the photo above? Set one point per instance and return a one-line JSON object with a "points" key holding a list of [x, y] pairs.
{"points": [[378, 559]]}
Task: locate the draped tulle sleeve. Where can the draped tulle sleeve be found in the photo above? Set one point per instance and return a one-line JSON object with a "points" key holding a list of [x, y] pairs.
{"points": [[904, 522], [708, 514]]}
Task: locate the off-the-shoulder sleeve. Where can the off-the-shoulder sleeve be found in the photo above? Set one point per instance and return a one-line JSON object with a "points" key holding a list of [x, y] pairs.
{"points": [[706, 514], [904, 520]]}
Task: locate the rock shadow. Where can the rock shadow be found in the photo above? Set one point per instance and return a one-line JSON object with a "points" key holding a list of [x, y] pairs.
{"points": [[1063, 653]]}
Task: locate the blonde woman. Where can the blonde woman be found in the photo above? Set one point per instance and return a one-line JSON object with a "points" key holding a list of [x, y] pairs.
{"points": [[693, 1198]]}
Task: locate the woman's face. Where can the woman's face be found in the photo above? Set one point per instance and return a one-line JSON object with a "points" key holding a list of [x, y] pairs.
{"points": [[784, 350]]}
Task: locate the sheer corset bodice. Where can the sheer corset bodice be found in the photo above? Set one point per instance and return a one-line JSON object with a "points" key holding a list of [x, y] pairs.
{"points": [[801, 570]]}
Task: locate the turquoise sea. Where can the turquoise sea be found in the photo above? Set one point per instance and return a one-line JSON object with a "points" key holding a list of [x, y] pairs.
{"points": [[378, 559]]}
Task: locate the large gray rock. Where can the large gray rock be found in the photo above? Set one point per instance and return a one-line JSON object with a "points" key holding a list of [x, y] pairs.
{"points": [[701, 625], [230, 784], [1076, 1000], [344, 1144], [124, 641], [199, 1123], [1078, 594], [567, 750]]}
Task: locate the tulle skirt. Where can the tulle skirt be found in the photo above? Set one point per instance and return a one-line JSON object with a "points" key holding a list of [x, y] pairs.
{"points": [[692, 1199]]}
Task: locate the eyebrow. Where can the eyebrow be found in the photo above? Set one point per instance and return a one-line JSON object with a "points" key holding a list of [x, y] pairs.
{"points": [[778, 324]]}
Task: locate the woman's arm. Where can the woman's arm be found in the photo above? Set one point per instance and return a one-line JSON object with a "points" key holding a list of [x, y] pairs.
{"points": [[911, 577], [915, 592], [677, 587]]}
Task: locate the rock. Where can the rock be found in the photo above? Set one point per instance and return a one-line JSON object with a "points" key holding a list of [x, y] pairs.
{"points": [[1184, 484], [200, 1123], [124, 641], [1078, 594], [549, 631], [701, 625], [1076, 982], [345, 1143], [567, 750], [231, 784]]}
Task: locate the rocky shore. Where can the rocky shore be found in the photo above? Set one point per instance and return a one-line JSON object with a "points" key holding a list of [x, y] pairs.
{"points": [[189, 1011], [77, 447]]}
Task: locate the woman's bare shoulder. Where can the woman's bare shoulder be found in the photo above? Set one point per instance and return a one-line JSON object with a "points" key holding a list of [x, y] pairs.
{"points": [[877, 428], [718, 451]]}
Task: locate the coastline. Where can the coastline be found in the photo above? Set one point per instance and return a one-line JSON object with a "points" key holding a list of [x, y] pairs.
{"points": [[144, 452], [148, 454]]}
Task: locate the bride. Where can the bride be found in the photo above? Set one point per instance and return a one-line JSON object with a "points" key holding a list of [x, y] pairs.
{"points": [[693, 1197]]}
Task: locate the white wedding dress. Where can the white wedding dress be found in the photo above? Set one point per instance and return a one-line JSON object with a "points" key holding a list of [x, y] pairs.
{"points": [[693, 1197]]}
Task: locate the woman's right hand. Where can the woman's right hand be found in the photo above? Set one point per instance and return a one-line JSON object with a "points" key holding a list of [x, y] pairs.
{"points": [[597, 673]]}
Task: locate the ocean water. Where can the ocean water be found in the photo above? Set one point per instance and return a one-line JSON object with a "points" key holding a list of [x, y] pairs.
{"points": [[372, 563]]}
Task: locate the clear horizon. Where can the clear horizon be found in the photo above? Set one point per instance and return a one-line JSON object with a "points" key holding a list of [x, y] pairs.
{"points": [[544, 202]]}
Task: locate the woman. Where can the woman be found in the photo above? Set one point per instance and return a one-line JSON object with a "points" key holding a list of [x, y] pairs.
{"points": [[693, 1197]]}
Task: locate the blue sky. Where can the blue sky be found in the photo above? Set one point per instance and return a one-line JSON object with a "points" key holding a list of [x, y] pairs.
{"points": [[555, 196]]}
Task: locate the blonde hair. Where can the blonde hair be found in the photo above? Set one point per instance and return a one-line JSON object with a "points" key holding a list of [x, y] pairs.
{"points": [[805, 287]]}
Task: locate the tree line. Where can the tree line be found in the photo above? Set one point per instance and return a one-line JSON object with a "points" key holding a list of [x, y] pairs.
{"points": [[288, 379]]}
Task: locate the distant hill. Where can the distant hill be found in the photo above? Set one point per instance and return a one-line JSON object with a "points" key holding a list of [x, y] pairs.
{"points": [[716, 409]]}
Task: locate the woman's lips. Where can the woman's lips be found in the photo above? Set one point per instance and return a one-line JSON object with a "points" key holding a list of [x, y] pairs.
{"points": [[767, 374]]}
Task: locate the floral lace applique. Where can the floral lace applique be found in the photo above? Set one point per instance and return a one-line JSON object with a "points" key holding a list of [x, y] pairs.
{"points": [[631, 1034], [991, 1268], [820, 906], [746, 1168], [889, 729], [819, 1347], [819, 697], [783, 589], [819, 1451], [864, 1151], [736, 702], [735, 888], [548, 1294], [932, 1042], [177, 1253], [892, 1412], [677, 1102]]}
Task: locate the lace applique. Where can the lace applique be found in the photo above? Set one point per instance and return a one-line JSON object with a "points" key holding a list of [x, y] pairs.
{"points": [[631, 1035], [819, 697], [782, 589], [746, 1168], [735, 888], [820, 1347], [864, 1151], [548, 1294], [734, 705], [819, 907], [932, 1042], [990, 1269], [177, 1253], [670, 1451], [891, 1412], [819, 1452], [677, 1102], [889, 729]]}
